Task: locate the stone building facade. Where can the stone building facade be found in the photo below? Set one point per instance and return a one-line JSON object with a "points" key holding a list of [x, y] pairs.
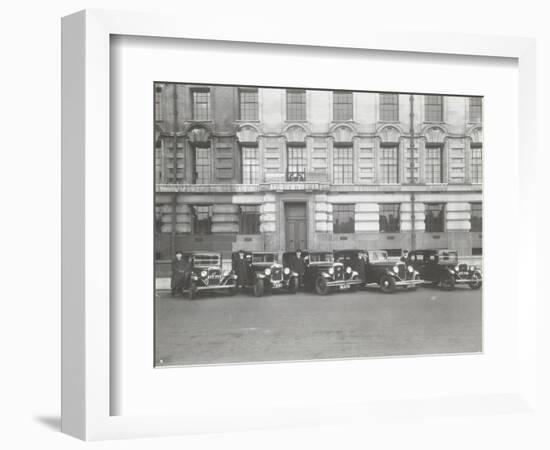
{"points": [[276, 169]]}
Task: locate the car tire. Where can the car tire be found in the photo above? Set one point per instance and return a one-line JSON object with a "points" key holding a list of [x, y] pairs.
{"points": [[258, 287], [321, 286], [475, 284], [192, 290], [387, 284], [447, 282], [233, 288], [293, 285]]}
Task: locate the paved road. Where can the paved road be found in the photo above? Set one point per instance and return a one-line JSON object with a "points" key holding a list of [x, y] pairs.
{"points": [[223, 329]]}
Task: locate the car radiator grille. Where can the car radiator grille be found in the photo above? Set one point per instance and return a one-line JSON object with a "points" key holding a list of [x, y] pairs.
{"points": [[277, 274], [214, 276], [338, 273]]}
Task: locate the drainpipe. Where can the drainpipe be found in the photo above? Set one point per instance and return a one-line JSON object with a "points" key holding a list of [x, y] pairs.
{"points": [[411, 165]]}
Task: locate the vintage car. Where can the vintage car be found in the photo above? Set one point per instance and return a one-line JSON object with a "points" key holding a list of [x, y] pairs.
{"points": [[207, 275], [324, 275], [264, 273], [442, 268], [380, 270]]}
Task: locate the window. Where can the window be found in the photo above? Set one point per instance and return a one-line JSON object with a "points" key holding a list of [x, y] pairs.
{"points": [[201, 104], [389, 217], [202, 165], [343, 165], [343, 218], [476, 171], [476, 111], [342, 105], [433, 164], [295, 104], [249, 219], [434, 220], [477, 251], [389, 164], [250, 164], [202, 219], [248, 104], [476, 217], [296, 158], [389, 107], [158, 103], [433, 108]]}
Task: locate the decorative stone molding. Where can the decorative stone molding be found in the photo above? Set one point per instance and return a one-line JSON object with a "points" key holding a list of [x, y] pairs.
{"points": [[435, 135], [248, 133], [389, 133], [343, 133], [295, 133], [476, 135], [199, 135]]}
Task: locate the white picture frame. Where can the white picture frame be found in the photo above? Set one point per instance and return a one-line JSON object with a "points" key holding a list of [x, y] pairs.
{"points": [[86, 288]]}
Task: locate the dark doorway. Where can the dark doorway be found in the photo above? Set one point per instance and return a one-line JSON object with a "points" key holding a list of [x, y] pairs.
{"points": [[296, 226]]}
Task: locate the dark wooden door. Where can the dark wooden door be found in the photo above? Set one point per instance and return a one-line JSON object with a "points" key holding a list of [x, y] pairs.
{"points": [[296, 226]]}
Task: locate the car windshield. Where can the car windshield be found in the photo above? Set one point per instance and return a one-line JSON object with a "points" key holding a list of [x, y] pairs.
{"points": [[446, 256], [264, 257], [206, 259], [378, 255], [321, 257]]}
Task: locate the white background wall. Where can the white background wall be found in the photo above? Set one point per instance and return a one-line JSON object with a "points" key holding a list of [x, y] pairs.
{"points": [[30, 188]]}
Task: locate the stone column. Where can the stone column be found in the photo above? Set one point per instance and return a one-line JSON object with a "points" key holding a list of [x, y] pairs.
{"points": [[406, 221], [366, 217], [268, 222], [458, 216]]}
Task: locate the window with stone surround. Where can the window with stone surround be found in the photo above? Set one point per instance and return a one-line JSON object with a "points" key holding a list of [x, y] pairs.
{"points": [[476, 109], [434, 174], [158, 103], [203, 165], [342, 104], [389, 107], [250, 164], [296, 162], [295, 104], [433, 108], [202, 219], [249, 219], [476, 216], [434, 217], [389, 164], [389, 218], [201, 104], [343, 164], [476, 169], [343, 218], [248, 104]]}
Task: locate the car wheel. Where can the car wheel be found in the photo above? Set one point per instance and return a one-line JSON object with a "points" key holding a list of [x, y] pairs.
{"points": [[233, 288], [447, 282], [192, 290], [477, 283], [321, 286], [293, 285], [259, 287], [387, 284]]}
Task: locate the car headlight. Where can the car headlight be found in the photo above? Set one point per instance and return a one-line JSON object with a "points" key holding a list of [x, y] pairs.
{"points": [[225, 273], [286, 271], [396, 269], [410, 269], [456, 268], [348, 269], [267, 271], [452, 271], [472, 268], [331, 271], [204, 273]]}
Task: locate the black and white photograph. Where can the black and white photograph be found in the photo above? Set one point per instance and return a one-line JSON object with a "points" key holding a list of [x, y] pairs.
{"points": [[296, 224]]}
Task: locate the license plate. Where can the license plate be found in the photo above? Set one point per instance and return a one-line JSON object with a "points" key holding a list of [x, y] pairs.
{"points": [[277, 284], [345, 286]]}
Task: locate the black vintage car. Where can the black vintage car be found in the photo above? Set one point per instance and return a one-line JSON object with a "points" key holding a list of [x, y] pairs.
{"points": [[265, 273], [379, 270], [207, 275], [324, 275], [442, 268]]}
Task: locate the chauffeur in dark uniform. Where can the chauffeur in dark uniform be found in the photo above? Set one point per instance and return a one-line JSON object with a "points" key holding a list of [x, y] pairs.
{"points": [[241, 269], [298, 265], [361, 266], [181, 271]]}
